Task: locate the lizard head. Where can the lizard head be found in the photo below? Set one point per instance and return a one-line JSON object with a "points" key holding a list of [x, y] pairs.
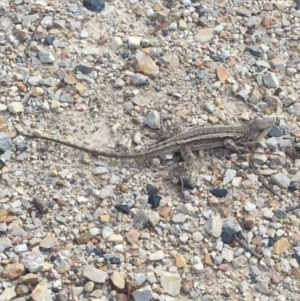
{"points": [[258, 129]]}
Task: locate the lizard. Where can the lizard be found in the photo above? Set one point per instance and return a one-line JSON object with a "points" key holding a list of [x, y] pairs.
{"points": [[232, 137]]}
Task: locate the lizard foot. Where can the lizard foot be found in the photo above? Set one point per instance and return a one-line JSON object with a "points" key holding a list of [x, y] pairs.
{"points": [[170, 129], [185, 172]]}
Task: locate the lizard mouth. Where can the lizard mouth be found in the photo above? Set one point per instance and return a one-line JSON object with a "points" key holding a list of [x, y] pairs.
{"points": [[258, 129]]}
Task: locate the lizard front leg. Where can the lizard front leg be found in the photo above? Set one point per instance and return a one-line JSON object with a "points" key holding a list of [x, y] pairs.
{"points": [[230, 144]]}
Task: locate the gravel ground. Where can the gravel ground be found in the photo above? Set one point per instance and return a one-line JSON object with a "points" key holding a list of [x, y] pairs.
{"points": [[73, 227]]}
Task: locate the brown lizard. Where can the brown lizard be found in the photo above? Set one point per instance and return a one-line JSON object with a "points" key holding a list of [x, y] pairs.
{"points": [[160, 27], [231, 137]]}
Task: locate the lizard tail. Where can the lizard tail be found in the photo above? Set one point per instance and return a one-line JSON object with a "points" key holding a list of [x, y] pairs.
{"points": [[93, 152]]}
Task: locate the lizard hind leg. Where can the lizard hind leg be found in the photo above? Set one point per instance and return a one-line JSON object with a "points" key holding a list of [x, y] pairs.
{"points": [[185, 171], [189, 164], [170, 129]]}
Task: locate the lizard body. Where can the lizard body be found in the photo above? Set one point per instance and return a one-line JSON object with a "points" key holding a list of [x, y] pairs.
{"points": [[232, 137]]}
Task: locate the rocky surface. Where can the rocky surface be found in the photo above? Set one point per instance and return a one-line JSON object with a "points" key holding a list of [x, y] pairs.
{"points": [[73, 227]]}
